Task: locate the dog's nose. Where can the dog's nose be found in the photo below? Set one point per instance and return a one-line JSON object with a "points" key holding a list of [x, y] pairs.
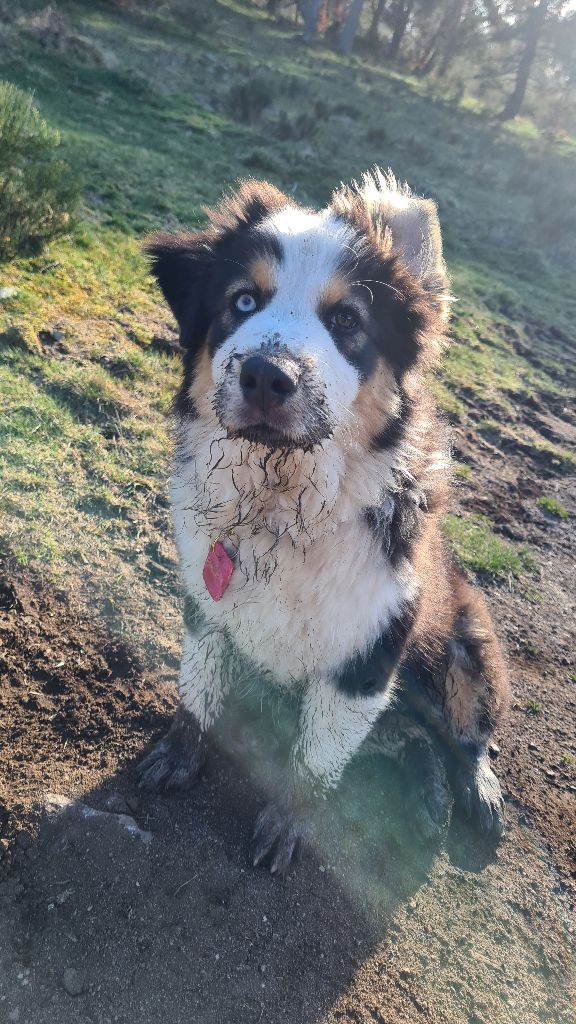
{"points": [[264, 384]]}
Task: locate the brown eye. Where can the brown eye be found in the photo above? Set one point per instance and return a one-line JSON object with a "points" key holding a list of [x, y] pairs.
{"points": [[344, 320]]}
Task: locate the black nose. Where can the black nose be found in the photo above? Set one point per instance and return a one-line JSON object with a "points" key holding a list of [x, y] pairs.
{"points": [[264, 384]]}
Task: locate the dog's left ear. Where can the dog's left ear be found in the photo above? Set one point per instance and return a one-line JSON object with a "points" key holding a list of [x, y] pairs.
{"points": [[401, 224], [180, 263]]}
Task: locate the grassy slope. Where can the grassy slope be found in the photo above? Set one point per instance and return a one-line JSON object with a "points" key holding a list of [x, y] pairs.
{"points": [[158, 117]]}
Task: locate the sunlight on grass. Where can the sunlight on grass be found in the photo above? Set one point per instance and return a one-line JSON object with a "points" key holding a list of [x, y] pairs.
{"points": [[478, 549]]}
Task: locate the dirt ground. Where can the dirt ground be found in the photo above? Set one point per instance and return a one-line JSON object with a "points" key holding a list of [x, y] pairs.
{"points": [[149, 911]]}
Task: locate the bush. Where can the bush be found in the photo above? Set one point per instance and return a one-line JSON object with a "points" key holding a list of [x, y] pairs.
{"points": [[37, 192], [248, 99]]}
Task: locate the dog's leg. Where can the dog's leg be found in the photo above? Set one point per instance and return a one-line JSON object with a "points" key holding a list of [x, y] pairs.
{"points": [[399, 737], [177, 760], [474, 695], [333, 725]]}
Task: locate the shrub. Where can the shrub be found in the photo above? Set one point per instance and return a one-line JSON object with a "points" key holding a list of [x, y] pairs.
{"points": [[248, 99], [37, 192]]}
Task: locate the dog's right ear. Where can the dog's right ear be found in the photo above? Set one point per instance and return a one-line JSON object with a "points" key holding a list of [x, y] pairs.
{"points": [[181, 263]]}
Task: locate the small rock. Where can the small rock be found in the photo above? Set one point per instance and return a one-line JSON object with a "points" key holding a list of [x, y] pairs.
{"points": [[532, 746], [74, 981], [493, 750], [550, 775], [56, 804], [8, 293], [116, 804]]}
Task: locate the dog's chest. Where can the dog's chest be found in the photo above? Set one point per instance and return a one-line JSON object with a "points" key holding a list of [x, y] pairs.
{"points": [[299, 611]]}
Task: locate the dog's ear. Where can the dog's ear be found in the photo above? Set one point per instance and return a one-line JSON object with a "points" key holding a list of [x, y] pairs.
{"points": [[181, 263], [402, 225]]}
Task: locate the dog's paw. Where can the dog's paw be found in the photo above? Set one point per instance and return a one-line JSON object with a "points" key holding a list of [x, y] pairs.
{"points": [[478, 794], [277, 839], [175, 763], [163, 769], [434, 807]]}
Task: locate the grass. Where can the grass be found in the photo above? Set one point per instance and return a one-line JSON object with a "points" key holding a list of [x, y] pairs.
{"points": [[157, 115], [534, 707], [479, 550], [553, 506]]}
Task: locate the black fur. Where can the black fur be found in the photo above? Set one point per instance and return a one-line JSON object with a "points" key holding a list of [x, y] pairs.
{"points": [[366, 675]]}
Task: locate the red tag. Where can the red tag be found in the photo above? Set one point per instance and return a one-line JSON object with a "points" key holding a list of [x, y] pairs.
{"points": [[217, 572]]}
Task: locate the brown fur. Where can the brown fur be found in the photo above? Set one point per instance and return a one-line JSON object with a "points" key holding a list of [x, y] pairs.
{"points": [[263, 274]]}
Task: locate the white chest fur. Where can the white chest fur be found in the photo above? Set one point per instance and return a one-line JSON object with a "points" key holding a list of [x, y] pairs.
{"points": [[311, 586]]}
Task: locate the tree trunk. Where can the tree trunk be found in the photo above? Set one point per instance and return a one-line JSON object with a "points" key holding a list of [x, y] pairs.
{"points": [[404, 10], [310, 10], [534, 26], [453, 36], [350, 26], [372, 36], [443, 38]]}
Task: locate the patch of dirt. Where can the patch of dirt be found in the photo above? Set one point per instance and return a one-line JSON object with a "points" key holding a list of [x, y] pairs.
{"points": [[74, 699]]}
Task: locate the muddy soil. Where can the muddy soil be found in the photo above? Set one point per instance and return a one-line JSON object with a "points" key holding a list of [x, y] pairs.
{"points": [[149, 911]]}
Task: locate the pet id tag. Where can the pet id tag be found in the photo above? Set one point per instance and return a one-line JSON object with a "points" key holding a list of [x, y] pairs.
{"points": [[217, 572]]}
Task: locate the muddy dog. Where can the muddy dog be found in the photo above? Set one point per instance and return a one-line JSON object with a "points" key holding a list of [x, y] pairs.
{"points": [[310, 476]]}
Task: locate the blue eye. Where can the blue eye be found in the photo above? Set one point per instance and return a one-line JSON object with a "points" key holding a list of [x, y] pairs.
{"points": [[245, 303]]}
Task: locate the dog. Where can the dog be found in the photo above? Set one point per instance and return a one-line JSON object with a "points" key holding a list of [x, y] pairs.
{"points": [[311, 472]]}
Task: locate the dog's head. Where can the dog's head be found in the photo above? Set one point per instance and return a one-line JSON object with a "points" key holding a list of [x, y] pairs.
{"points": [[298, 324]]}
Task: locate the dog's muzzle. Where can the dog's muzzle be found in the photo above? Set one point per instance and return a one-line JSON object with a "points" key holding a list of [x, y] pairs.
{"points": [[265, 384], [272, 398]]}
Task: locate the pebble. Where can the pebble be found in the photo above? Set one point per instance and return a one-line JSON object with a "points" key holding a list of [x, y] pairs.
{"points": [[116, 804], [550, 775], [73, 981], [493, 750]]}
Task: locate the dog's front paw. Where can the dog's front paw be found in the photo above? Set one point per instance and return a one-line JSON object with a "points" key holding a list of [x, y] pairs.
{"points": [[175, 763], [477, 792], [278, 836]]}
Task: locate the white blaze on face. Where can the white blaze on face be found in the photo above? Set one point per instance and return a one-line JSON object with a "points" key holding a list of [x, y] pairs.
{"points": [[312, 246]]}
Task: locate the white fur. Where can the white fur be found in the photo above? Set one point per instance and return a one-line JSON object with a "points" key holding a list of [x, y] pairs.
{"points": [[202, 683], [312, 244], [312, 586], [332, 727]]}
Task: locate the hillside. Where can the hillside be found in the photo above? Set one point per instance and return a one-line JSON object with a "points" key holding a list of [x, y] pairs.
{"points": [[159, 112]]}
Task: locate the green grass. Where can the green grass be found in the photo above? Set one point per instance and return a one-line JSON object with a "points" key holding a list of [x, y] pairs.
{"points": [[553, 506], [152, 121], [479, 550]]}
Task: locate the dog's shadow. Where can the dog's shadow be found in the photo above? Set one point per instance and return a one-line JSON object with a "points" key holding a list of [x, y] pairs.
{"points": [[171, 922]]}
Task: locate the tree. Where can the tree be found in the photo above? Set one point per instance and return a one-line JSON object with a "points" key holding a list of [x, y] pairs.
{"points": [[377, 14], [350, 27], [401, 16], [310, 12], [532, 31]]}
